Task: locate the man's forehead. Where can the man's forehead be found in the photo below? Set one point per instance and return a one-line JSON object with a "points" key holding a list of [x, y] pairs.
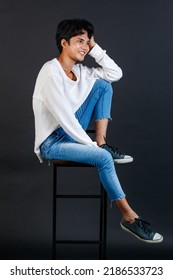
{"points": [[83, 36]]}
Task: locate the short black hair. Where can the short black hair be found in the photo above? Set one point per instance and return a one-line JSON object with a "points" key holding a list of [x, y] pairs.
{"points": [[68, 28]]}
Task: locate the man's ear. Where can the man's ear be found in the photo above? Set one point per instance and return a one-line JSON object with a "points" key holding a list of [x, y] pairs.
{"points": [[64, 43]]}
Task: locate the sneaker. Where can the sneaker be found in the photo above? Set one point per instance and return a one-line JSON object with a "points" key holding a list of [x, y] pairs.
{"points": [[117, 156], [142, 231]]}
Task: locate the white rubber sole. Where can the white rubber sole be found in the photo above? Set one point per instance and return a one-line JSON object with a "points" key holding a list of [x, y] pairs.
{"points": [[123, 160], [144, 240]]}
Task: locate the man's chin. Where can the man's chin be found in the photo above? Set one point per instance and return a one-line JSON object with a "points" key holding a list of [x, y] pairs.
{"points": [[81, 58]]}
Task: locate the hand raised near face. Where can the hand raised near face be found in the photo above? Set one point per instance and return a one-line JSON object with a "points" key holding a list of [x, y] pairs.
{"points": [[92, 43]]}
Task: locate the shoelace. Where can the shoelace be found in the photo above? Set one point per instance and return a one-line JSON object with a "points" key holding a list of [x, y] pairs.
{"points": [[144, 225], [114, 149]]}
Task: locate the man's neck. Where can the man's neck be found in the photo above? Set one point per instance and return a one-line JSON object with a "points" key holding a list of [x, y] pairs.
{"points": [[66, 64]]}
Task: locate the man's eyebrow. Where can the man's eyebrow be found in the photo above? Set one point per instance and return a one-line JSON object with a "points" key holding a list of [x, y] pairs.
{"points": [[80, 38]]}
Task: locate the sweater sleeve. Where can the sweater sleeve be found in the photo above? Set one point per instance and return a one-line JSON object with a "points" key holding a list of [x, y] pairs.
{"points": [[109, 70], [57, 104]]}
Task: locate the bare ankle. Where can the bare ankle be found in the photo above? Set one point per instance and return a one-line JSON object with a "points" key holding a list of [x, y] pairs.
{"points": [[130, 217], [100, 141]]}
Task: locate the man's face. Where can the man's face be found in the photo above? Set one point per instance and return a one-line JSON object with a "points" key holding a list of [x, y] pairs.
{"points": [[78, 47]]}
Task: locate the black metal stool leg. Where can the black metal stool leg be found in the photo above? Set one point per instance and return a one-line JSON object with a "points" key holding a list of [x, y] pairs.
{"points": [[103, 224], [54, 212]]}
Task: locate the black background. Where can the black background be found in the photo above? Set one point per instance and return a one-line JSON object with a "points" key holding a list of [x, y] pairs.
{"points": [[138, 36]]}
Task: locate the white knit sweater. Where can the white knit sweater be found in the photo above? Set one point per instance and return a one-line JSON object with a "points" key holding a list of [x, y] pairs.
{"points": [[56, 97]]}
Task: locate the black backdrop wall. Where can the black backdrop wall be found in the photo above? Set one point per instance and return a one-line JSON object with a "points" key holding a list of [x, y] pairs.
{"points": [[138, 35]]}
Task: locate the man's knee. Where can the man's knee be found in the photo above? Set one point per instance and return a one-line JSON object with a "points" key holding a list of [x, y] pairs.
{"points": [[104, 157], [103, 83]]}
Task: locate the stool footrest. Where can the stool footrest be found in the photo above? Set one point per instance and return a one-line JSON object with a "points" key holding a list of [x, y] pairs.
{"points": [[79, 242], [78, 196]]}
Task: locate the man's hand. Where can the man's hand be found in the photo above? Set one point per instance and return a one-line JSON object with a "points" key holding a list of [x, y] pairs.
{"points": [[92, 43]]}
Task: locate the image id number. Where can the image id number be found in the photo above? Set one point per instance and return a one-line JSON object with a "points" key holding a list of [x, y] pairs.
{"points": [[133, 270]]}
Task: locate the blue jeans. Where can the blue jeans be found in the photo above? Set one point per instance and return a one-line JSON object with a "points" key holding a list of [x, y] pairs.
{"points": [[60, 145]]}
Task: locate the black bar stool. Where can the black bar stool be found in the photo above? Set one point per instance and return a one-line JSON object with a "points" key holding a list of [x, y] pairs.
{"points": [[101, 242]]}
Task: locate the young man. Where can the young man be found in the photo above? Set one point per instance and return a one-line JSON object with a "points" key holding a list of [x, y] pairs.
{"points": [[66, 97]]}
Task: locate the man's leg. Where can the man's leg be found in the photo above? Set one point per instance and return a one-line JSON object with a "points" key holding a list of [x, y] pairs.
{"points": [[104, 162], [98, 104], [101, 130]]}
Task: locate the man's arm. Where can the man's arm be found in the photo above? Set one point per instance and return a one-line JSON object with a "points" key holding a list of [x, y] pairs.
{"points": [[109, 70]]}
